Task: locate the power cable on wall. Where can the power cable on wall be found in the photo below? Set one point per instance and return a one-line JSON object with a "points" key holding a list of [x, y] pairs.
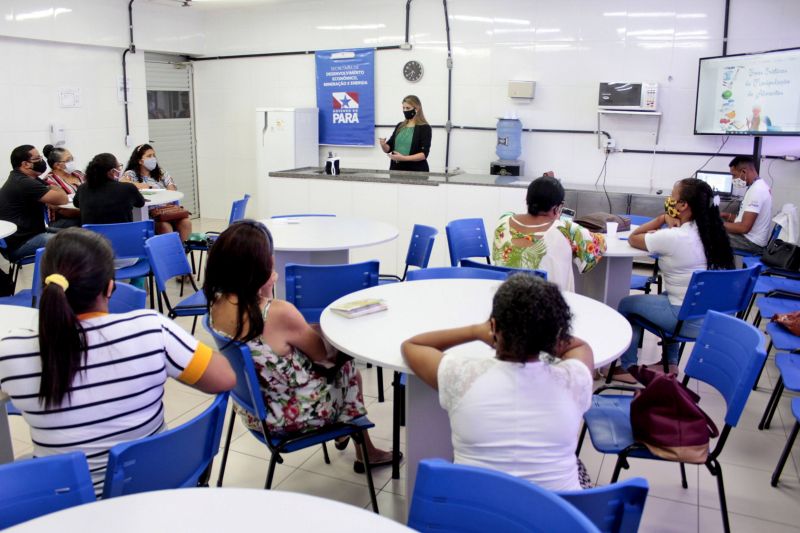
{"points": [[449, 124], [131, 49]]}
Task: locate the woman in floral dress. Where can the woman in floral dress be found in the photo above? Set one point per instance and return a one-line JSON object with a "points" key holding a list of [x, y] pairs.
{"points": [[540, 240], [305, 384]]}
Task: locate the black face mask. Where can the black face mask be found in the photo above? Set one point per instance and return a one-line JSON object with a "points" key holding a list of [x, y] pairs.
{"points": [[411, 113], [39, 166]]}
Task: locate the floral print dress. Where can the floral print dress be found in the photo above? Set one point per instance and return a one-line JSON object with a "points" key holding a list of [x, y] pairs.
{"points": [[552, 250], [297, 397]]}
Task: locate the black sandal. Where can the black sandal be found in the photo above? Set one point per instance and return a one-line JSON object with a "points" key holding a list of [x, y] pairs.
{"points": [[359, 468], [341, 444]]}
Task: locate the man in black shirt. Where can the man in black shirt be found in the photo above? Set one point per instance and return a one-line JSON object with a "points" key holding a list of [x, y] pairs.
{"points": [[22, 200]]}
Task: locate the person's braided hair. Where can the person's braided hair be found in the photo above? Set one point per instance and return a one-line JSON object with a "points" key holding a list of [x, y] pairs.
{"points": [[701, 200], [530, 317]]}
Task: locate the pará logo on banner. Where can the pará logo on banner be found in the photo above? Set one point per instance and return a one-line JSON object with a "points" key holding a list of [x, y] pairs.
{"points": [[345, 108]]}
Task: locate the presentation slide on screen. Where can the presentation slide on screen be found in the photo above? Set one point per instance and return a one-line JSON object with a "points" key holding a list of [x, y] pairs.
{"points": [[751, 94]]}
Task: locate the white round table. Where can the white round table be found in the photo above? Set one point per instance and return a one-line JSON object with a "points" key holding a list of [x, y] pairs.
{"points": [[12, 317], [153, 198], [610, 281], [322, 240], [7, 228], [418, 306], [212, 510]]}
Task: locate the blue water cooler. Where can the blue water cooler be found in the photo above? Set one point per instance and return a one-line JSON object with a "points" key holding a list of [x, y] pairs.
{"points": [[509, 148]]}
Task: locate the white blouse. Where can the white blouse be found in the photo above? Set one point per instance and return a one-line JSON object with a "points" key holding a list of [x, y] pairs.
{"points": [[522, 419]]}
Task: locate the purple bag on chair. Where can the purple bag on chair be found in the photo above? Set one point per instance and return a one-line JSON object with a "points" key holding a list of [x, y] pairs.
{"points": [[665, 417]]}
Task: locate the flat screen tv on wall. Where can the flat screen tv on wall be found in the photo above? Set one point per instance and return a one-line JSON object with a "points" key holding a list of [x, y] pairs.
{"points": [[749, 94]]}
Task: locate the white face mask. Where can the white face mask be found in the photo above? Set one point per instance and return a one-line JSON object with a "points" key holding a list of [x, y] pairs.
{"points": [[69, 167], [150, 163], [739, 183]]}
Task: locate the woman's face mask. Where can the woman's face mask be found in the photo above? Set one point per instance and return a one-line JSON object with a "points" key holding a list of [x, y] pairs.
{"points": [[670, 207]]}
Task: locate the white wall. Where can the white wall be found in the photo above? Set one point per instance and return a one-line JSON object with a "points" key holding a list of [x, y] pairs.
{"points": [[47, 45], [566, 46]]}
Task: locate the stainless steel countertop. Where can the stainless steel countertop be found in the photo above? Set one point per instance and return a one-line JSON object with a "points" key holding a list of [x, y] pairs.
{"points": [[439, 178]]}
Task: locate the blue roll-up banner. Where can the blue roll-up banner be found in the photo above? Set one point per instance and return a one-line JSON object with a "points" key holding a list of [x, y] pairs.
{"points": [[346, 96]]}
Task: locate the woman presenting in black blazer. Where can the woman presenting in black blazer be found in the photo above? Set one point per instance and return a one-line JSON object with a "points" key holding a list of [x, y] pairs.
{"points": [[410, 142]]}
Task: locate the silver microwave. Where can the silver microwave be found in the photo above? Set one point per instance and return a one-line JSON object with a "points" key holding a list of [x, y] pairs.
{"points": [[628, 96]]}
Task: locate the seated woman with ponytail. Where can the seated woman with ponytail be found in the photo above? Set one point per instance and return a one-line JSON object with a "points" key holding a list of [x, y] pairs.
{"points": [[88, 380], [694, 239]]}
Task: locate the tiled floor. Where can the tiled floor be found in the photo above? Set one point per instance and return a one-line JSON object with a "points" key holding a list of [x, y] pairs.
{"points": [[747, 461]]}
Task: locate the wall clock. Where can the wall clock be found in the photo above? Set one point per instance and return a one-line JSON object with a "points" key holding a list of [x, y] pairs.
{"points": [[412, 71]]}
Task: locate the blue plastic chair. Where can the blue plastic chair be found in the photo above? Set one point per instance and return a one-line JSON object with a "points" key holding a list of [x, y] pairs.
{"points": [[16, 266], [28, 297], [725, 291], [127, 240], [769, 270], [776, 475], [469, 263], [614, 508], [769, 306], [177, 458], [789, 367], [301, 215], [727, 355], [776, 230], [419, 251], [455, 273], [34, 487], [781, 339], [637, 220], [638, 281], [168, 260], [311, 288], [247, 395], [450, 497], [770, 284], [127, 298], [238, 209], [466, 238]]}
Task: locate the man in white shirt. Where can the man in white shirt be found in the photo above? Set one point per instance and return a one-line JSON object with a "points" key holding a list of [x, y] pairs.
{"points": [[749, 231]]}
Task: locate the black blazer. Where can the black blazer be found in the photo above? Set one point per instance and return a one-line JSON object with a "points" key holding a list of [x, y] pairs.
{"points": [[420, 142]]}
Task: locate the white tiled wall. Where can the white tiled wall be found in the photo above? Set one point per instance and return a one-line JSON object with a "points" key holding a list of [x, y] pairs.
{"points": [[566, 46], [78, 44], [36, 70]]}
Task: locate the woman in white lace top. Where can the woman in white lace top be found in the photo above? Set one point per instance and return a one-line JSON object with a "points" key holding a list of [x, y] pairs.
{"points": [[519, 412]]}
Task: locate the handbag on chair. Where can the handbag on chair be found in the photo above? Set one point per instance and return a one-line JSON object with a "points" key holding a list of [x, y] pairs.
{"points": [[596, 222], [790, 321], [169, 213], [665, 418], [781, 254]]}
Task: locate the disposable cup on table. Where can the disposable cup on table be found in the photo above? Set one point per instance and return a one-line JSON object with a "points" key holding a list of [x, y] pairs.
{"points": [[611, 230]]}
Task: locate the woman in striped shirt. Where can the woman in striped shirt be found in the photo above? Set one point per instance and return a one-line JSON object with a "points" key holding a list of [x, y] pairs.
{"points": [[64, 175], [88, 380]]}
